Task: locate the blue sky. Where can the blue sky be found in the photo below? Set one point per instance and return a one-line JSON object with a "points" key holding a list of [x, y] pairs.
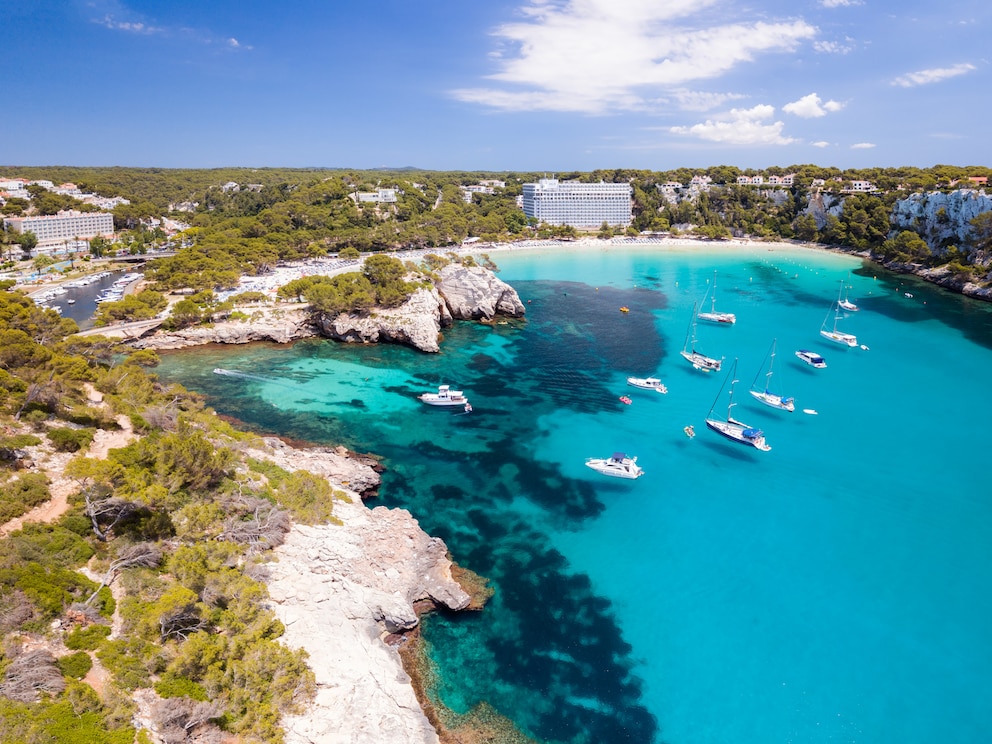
{"points": [[551, 85]]}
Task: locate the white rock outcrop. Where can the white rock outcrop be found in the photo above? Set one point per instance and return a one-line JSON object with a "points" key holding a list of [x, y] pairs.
{"points": [[940, 219], [473, 292], [339, 590], [280, 325], [417, 322]]}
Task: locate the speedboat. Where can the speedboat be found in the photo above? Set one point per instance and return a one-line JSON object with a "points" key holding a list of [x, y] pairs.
{"points": [[812, 358], [617, 466], [444, 396], [647, 383]]}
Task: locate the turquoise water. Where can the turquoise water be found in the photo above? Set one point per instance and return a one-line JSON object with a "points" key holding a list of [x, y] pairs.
{"points": [[835, 589]]}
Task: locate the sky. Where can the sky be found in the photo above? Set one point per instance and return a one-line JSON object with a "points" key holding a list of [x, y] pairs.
{"points": [[497, 85]]}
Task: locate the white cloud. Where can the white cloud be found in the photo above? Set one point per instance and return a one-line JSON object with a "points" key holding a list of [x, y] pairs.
{"points": [[811, 107], [740, 127], [595, 56], [934, 75], [863, 146], [134, 27], [834, 47], [821, 144], [692, 100], [839, 3]]}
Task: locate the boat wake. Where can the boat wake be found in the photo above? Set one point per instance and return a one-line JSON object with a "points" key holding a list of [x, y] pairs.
{"points": [[242, 375]]}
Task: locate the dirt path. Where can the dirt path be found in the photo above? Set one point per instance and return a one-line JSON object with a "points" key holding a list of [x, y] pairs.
{"points": [[62, 488]]}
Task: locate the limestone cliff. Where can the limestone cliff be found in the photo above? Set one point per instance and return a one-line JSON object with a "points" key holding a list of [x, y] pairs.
{"points": [[941, 219], [417, 322], [339, 590], [473, 293], [280, 325]]}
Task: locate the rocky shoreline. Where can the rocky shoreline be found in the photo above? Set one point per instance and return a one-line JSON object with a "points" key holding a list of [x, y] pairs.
{"points": [[341, 590], [461, 292]]}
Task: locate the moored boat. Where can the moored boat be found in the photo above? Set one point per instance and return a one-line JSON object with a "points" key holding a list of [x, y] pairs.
{"points": [[697, 359], [444, 396], [764, 393], [617, 466], [731, 428], [812, 358], [647, 383], [713, 316]]}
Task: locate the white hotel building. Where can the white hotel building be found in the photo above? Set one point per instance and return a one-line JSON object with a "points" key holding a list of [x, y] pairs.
{"points": [[586, 205], [52, 229]]}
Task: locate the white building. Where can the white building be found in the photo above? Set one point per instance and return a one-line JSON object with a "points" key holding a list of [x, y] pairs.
{"points": [[750, 180], [586, 205], [52, 229], [381, 196], [862, 186]]}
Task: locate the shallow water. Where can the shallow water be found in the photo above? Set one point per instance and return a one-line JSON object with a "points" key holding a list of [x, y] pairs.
{"points": [[835, 588]]}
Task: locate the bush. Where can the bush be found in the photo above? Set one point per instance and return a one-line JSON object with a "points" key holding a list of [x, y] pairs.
{"points": [[88, 638], [75, 665], [70, 440], [173, 686], [22, 494]]}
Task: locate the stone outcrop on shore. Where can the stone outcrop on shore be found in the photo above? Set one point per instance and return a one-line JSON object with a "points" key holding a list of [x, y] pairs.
{"points": [[417, 322], [474, 293], [280, 325], [340, 590], [465, 293]]}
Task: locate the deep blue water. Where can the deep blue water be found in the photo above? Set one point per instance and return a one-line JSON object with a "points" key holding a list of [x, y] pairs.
{"points": [[836, 588]]}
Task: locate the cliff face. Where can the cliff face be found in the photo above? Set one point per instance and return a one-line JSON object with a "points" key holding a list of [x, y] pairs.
{"points": [[941, 219], [472, 293], [466, 293], [417, 323], [280, 325], [340, 590], [821, 205]]}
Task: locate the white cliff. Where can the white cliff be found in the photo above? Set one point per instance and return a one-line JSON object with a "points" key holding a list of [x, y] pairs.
{"points": [[339, 590], [941, 219], [472, 293], [417, 322]]}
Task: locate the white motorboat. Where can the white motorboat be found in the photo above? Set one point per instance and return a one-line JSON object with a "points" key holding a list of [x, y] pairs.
{"points": [[617, 466], [812, 358], [444, 396], [697, 359], [731, 428], [647, 383], [713, 316], [764, 393]]}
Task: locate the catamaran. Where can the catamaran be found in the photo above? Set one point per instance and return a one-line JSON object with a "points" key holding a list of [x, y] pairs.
{"points": [[731, 428], [713, 316], [697, 359], [765, 395]]}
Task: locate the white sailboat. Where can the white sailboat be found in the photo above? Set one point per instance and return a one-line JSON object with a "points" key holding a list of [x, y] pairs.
{"points": [[765, 395], [697, 359], [731, 428], [713, 316], [846, 304], [832, 334]]}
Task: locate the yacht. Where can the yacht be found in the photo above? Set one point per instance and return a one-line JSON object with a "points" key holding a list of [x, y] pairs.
{"points": [[617, 466], [444, 396], [731, 428], [647, 383], [713, 316], [696, 358], [812, 358]]}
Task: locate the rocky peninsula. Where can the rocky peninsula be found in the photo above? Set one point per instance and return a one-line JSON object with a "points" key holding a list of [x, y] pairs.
{"points": [[459, 292], [340, 590]]}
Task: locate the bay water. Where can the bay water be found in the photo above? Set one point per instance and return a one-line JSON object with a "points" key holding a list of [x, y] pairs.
{"points": [[835, 589]]}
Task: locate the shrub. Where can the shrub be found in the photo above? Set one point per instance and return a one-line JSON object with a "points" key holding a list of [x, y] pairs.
{"points": [[173, 686], [75, 665], [70, 440], [88, 638]]}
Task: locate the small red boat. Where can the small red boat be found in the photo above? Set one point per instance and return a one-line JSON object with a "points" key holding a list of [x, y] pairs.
{"points": [[624, 399]]}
